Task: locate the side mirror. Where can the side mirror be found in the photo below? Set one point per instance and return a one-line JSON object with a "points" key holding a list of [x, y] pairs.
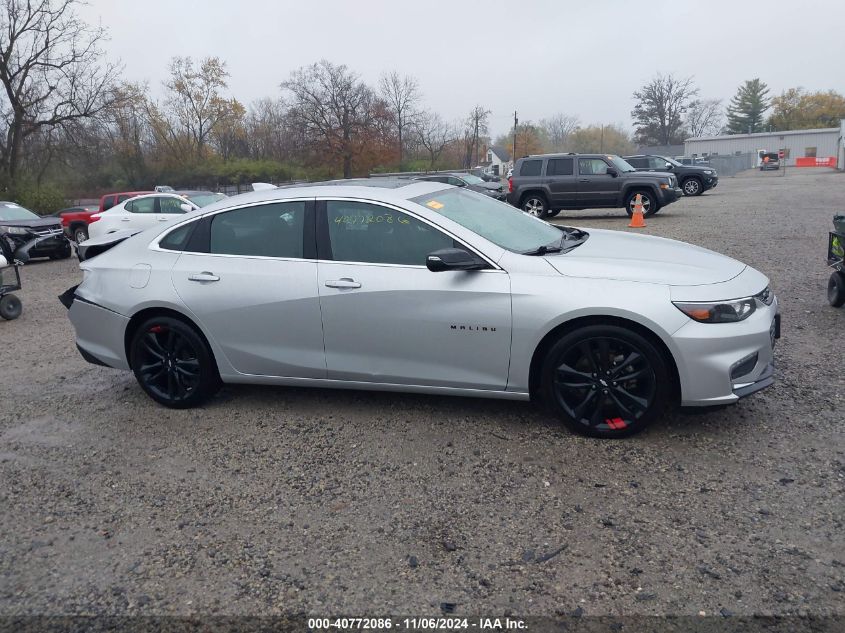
{"points": [[611, 171], [186, 207], [453, 259], [669, 166]]}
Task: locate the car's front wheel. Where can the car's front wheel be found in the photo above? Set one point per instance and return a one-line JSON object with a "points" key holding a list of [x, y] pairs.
{"points": [[650, 206], [605, 381], [535, 204], [173, 363], [692, 187]]}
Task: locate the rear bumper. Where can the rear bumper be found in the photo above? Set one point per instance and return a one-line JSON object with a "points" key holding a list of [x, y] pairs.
{"points": [[99, 332]]}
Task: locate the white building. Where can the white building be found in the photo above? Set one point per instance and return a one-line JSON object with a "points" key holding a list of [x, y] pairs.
{"points": [[821, 144]]}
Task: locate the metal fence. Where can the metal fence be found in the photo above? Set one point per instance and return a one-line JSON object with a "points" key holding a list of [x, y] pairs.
{"points": [[732, 164]]}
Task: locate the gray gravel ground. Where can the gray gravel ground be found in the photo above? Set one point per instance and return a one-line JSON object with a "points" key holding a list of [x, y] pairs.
{"points": [[273, 500]]}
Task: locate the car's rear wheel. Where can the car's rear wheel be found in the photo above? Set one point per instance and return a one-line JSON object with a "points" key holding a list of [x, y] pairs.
{"points": [[10, 307], [80, 234], [836, 289], [535, 204], [605, 381], [650, 206], [692, 187], [173, 363]]}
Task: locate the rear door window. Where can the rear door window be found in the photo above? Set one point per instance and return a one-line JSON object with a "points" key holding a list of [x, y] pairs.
{"points": [[166, 204], [531, 168], [267, 230], [559, 167]]}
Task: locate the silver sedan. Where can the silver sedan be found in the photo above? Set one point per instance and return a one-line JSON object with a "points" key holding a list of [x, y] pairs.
{"points": [[422, 287]]}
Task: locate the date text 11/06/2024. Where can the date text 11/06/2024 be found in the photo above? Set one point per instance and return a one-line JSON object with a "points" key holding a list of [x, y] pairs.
{"points": [[416, 624]]}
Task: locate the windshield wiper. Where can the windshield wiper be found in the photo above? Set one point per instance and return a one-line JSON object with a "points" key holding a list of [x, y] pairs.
{"points": [[543, 250]]}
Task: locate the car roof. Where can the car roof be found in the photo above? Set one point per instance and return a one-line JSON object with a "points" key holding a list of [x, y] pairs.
{"points": [[192, 192], [388, 190]]}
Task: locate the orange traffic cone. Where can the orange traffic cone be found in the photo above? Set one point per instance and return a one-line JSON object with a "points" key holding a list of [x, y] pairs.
{"points": [[637, 220]]}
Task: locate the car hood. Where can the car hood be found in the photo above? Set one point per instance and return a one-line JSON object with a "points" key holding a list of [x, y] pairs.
{"points": [[36, 223], [644, 258]]}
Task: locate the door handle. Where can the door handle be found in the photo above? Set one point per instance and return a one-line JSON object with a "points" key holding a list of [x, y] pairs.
{"points": [[124, 219], [583, 180], [203, 276], [163, 219], [346, 282]]}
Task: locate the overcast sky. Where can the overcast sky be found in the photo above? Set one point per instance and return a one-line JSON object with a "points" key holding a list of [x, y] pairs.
{"points": [[538, 57]]}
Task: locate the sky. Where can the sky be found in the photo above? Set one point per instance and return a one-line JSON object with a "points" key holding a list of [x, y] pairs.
{"points": [[539, 57]]}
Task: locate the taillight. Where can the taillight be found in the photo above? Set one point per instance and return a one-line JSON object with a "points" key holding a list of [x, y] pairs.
{"points": [[94, 218], [510, 185]]}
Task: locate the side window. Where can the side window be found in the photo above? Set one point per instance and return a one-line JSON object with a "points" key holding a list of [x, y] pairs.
{"points": [[178, 238], [142, 205], [530, 168], [369, 233], [268, 230], [655, 162], [637, 163], [456, 181], [559, 167], [108, 203], [166, 204], [592, 167], [122, 198]]}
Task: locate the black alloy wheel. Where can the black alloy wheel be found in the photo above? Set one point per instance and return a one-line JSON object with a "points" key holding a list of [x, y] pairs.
{"points": [[173, 364], [605, 381]]}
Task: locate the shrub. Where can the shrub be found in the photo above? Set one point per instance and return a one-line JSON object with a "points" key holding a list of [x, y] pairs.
{"points": [[42, 200]]}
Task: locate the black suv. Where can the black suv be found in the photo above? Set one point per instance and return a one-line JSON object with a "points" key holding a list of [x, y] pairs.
{"points": [[694, 179], [545, 184]]}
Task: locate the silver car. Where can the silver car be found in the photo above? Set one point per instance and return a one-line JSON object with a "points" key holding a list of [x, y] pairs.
{"points": [[423, 287]]}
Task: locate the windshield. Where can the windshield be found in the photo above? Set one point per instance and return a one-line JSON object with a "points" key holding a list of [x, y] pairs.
{"points": [[495, 221], [671, 161], [205, 199], [620, 164], [472, 180], [11, 211]]}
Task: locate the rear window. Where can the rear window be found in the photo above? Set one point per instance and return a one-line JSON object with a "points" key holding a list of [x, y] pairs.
{"points": [[531, 168], [559, 167], [178, 238]]}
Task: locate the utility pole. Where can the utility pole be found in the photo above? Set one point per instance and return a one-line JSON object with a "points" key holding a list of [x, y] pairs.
{"points": [[515, 123]]}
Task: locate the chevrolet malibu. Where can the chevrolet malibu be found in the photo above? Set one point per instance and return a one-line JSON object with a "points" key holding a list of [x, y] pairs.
{"points": [[423, 287]]}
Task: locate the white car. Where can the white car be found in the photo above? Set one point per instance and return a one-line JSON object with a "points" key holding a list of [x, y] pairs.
{"points": [[143, 212], [408, 285]]}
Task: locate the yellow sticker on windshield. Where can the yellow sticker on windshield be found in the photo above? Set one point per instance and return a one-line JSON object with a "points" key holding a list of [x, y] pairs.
{"points": [[434, 204]]}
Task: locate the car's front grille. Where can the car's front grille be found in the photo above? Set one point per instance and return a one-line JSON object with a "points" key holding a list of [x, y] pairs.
{"points": [[47, 231]]}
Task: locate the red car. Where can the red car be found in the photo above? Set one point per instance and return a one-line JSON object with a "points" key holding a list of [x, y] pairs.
{"points": [[75, 220]]}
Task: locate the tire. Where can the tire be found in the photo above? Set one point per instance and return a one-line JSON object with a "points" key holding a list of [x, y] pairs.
{"points": [[63, 254], [173, 363], [692, 187], [80, 234], [554, 212], [535, 204], [585, 397], [10, 307], [836, 289], [650, 205]]}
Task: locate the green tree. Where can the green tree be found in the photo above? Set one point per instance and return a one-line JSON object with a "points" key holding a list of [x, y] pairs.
{"points": [[796, 109], [747, 107]]}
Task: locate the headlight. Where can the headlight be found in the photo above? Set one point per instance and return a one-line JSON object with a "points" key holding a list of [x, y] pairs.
{"points": [[16, 230], [720, 311], [707, 172]]}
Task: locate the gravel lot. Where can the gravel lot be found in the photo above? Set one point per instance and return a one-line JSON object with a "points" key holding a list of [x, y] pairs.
{"points": [[273, 500]]}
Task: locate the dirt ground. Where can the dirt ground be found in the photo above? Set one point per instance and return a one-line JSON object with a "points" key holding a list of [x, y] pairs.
{"points": [[275, 500]]}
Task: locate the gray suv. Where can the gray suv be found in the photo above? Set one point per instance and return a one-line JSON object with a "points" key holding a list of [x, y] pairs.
{"points": [[544, 185]]}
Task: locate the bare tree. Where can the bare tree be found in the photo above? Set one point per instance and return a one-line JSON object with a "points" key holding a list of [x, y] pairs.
{"points": [[267, 130], [51, 73], [194, 101], [334, 106], [704, 117], [476, 127], [557, 130], [434, 135], [401, 95], [661, 104]]}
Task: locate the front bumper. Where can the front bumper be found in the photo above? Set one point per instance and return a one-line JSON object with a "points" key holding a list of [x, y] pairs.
{"points": [[710, 183], [42, 244], [710, 353], [668, 196]]}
